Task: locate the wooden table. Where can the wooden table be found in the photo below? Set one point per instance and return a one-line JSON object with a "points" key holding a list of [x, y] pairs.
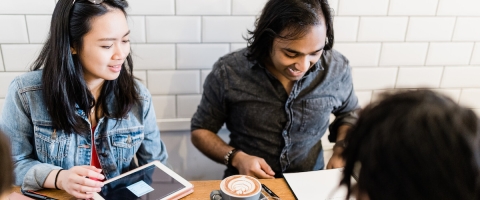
{"points": [[201, 189]]}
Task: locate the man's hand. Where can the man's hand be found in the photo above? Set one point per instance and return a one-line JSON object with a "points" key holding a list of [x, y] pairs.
{"points": [[336, 161], [74, 181], [252, 166]]}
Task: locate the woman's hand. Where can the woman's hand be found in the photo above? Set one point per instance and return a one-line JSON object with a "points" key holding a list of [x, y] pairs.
{"points": [[76, 181]]}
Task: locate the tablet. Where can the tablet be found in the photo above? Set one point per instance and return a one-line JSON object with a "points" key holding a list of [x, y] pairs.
{"points": [[151, 181]]}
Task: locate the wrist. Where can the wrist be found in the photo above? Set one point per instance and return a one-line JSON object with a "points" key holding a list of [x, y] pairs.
{"points": [[340, 143], [234, 158], [228, 158], [58, 180]]}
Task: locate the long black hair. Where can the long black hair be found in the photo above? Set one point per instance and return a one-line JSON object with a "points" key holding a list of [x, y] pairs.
{"points": [[295, 15], [414, 145], [63, 82]]}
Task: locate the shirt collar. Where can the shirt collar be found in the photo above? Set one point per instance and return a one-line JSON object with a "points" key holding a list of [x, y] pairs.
{"points": [[316, 67]]}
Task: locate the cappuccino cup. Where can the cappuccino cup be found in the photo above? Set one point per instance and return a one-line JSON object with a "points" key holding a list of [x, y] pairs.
{"points": [[240, 187]]}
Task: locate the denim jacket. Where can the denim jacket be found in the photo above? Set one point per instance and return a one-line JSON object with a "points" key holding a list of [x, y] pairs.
{"points": [[37, 148]]}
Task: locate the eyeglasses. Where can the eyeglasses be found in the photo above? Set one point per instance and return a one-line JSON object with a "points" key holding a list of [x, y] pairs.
{"points": [[93, 1]]}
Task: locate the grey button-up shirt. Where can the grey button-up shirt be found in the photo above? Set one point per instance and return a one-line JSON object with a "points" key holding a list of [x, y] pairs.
{"points": [[265, 121]]}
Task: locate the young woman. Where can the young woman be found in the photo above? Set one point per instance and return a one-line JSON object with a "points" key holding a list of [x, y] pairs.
{"points": [[79, 113], [414, 145]]}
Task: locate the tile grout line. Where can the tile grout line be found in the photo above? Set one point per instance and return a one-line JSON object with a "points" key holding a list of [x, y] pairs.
{"points": [[380, 54], [396, 78], [388, 7], [426, 56], [26, 28], [471, 54], [406, 30], [453, 30], [358, 28], [441, 77]]}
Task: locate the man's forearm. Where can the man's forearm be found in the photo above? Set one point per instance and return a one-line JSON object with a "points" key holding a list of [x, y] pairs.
{"points": [[210, 144], [341, 135], [342, 131]]}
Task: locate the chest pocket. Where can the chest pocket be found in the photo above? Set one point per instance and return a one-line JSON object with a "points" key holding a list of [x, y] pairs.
{"points": [[126, 142], [315, 114], [51, 145]]}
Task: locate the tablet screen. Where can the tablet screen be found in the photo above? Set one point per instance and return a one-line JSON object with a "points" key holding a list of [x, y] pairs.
{"points": [[145, 184]]}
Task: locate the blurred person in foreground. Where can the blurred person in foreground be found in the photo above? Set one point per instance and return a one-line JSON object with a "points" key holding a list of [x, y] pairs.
{"points": [[6, 167], [413, 145]]}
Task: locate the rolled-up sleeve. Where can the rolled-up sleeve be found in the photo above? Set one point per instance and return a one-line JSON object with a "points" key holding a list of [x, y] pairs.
{"points": [[211, 113], [347, 113]]}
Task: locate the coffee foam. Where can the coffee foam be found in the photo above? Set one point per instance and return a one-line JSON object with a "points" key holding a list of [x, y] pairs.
{"points": [[240, 186]]}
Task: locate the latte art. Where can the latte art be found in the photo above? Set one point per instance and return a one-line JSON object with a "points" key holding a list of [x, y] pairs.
{"points": [[240, 185]]}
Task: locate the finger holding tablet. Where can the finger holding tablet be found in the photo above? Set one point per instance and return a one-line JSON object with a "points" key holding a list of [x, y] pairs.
{"points": [[74, 181]]}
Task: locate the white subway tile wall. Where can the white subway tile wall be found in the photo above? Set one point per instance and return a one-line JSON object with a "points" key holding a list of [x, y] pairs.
{"points": [[19, 57], [364, 97], [458, 8], [373, 29], [374, 78], [27, 7], [153, 56], [173, 29], [14, 29], [391, 45], [142, 75], [461, 77], [247, 7], [476, 55], [467, 29], [346, 28], [430, 28], [419, 77], [174, 81], [165, 106], [364, 7], [449, 53], [226, 28], [394, 54], [38, 28], [187, 105], [470, 98], [151, 7], [2, 68], [137, 29], [203, 7], [199, 56], [360, 54], [413, 7]]}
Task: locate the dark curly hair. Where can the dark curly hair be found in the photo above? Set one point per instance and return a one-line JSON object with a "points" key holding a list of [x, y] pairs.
{"points": [[295, 15], [414, 145]]}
